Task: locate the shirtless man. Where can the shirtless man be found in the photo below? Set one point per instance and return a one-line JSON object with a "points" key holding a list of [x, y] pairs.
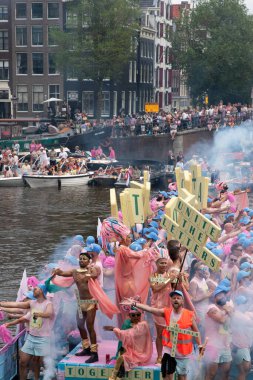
{"points": [[87, 306]]}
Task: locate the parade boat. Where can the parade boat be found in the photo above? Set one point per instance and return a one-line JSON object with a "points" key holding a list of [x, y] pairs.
{"points": [[57, 181], [24, 131]]}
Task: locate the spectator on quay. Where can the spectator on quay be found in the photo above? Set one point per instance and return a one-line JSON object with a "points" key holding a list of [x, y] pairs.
{"points": [[180, 155], [171, 161], [180, 164]]}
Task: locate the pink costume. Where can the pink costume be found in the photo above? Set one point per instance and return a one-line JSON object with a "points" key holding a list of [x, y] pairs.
{"points": [[133, 270], [160, 300], [104, 303], [32, 147], [112, 155], [242, 200], [137, 343]]}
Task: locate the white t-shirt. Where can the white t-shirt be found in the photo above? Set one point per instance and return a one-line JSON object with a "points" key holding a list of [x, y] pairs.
{"points": [[63, 155]]}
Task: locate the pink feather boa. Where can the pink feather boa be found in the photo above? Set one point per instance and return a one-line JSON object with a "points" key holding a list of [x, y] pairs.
{"points": [[5, 334]]}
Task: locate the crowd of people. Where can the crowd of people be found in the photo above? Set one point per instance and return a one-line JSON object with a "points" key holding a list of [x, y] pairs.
{"points": [[211, 117], [41, 160], [126, 273]]}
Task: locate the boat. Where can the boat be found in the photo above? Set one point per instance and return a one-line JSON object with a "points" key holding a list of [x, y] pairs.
{"points": [[97, 135], [57, 181], [157, 172], [12, 181], [16, 131], [105, 180], [103, 163]]}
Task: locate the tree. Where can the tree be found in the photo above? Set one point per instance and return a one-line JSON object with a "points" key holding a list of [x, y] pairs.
{"points": [[98, 40], [213, 45]]}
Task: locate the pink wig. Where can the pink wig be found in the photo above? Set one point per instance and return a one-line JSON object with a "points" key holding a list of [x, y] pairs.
{"points": [[32, 281], [109, 262], [112, 229]]}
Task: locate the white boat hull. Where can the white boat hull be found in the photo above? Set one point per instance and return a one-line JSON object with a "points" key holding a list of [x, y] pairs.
{"points": [[12, 182], [41, 181]]}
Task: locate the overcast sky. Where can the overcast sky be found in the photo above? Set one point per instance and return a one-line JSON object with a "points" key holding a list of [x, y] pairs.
{"points": [[249, 5]]}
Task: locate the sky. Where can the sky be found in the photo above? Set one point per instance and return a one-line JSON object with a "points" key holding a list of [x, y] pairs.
{"points": [[249, 5]]}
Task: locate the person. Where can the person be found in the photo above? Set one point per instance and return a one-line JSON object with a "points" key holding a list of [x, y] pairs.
{"points": [[16, 147], [160, 298], [63, 154], [217, 328], [88, 305], [44, 161], [180, 164], [171, 161], [52, 157], [241, 328], [94, 251], [184, 318], [26, 168], [200, 293], [40, 319], [112, 154], [15, 164], [85, 279], [135, 348]]}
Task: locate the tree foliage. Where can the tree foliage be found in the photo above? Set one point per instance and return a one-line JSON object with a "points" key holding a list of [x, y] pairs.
{"points": [[213, 45], [98, 39]]}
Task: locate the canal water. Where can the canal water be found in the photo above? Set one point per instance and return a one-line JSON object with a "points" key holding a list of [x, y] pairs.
{"points": [[36, 226]]}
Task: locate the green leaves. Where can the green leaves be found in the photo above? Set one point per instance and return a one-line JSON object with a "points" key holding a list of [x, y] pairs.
{"points": [[214, 45]]}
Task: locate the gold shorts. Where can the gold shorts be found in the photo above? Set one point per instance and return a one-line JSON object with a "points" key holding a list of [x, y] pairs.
{"points": [[87, 305]]}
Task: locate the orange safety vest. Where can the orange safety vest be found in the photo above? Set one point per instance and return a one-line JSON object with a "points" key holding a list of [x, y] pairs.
{"points": [[184, 343]]}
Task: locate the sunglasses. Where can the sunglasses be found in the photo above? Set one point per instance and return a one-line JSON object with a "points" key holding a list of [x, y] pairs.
{"points": [[135, 314], [234, 260]]}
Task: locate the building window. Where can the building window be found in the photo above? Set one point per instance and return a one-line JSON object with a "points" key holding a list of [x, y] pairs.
{"points": [[37, 35], [37, 10], [51, 39], [115, 103], [21, 36], [53, 10], [88, 103], [38, 93], [105, 103], [22, 63], [22, 95], [130, 102], [4, 40], [134, 71], [4, 70], [134, 102], [54, 91], [3, 13], [71, 73], [130, 72], [123, 100], [21, 10], [37, 59], [71, 19], [51, 64]]}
